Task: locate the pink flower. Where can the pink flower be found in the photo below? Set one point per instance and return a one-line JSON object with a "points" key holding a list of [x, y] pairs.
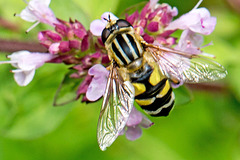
{"points": [[190, 42], [133, 126], [97, 26], [26, 63], [197, 20], [54, 48], [98, 84], [68, 37], [152, 20], [38, 11]]}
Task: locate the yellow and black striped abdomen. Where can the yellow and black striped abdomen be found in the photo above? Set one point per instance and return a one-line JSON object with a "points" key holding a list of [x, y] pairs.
{"points": [[153, 92]]}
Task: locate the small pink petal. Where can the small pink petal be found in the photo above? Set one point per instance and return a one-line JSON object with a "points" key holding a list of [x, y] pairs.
{"points": [[146, 123], [27, 15], [85, 43], [84, 85], [197, 20], [96, 55], [64, 46], [74, 44], [42, 12], [121, 132], [21, 59], [23, 78], [133, 133], [145, 11], [148, 38], [54, 48], [135, 118], [190, 42], [34, 60], [153, 26], [98, 70], [53, 36], [98, 84], [96, 27]]}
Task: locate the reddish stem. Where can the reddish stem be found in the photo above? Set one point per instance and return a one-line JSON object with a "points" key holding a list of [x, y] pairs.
{"points": [[9, 46]]}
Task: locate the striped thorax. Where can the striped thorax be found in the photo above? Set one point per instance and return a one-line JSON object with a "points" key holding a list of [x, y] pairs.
{"points": [[121, 43]]}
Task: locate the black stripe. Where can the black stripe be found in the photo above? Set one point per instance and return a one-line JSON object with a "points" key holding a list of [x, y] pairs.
{"points": [[118, 54], [124, 47], [159, 102], [141, 76], [152, 91], [164, 111], [133, 43]]}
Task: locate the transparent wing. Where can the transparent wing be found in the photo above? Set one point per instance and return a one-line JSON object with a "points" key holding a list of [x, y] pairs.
{"points": [[185, 67], [117, 105]]}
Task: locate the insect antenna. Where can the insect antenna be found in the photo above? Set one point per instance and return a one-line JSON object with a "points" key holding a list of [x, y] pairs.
{"points": [[109, 18]]}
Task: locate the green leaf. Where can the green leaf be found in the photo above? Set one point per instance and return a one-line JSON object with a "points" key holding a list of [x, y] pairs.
{"points": [[67, 91], [182, 95]]}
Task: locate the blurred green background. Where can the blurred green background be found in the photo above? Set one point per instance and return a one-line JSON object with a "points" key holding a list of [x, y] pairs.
{"points": [[208, 127]]}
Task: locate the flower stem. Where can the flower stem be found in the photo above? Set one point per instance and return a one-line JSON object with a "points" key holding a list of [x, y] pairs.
{"points": [[9, 46], [209, 87]]}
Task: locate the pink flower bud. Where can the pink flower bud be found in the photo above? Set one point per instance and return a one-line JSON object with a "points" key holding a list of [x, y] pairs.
{"points": [[54, 48], [74, 44], [64, 46], [153, 26]]}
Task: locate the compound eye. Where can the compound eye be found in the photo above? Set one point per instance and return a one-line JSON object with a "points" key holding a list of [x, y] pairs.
{"points": [[123, 23], [105, 34]]}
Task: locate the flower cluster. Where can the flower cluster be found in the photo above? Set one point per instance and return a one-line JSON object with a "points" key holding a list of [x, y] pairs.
{"points": [[152, 21], [70, 43], [67, 36]]}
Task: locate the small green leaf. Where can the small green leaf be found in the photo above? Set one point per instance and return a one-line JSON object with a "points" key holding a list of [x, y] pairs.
{"points": [[182, 95], [67, 91]]}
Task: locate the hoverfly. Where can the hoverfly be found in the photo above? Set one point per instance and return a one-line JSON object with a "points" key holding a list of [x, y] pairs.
{"points": [[144, 72]]}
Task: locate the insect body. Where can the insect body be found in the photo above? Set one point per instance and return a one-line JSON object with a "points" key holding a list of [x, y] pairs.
{"points": [[152, 89], [143, 72]]}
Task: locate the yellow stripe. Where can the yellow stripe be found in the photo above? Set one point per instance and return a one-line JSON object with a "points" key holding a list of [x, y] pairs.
{"points": [[155, 77], [135, 56], [164, 106], [145, 102], [139, 46], [121, 51], [139, 88], [164, 90]]}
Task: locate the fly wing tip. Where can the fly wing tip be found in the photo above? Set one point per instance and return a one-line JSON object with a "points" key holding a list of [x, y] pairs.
{"points": [[103, 147], [106, 141]]}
